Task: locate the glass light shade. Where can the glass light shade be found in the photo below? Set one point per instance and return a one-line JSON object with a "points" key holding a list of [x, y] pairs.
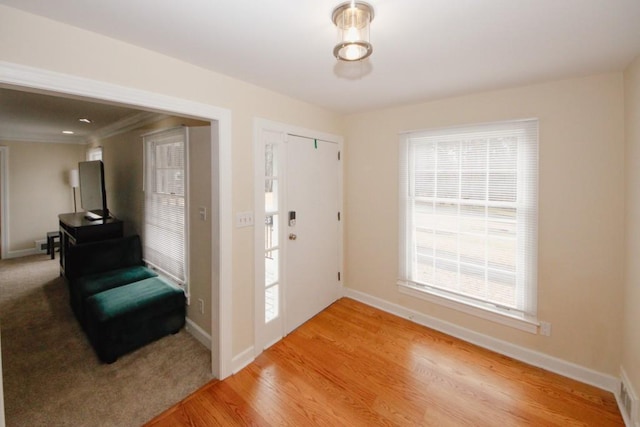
{"points": [[353, 19]]}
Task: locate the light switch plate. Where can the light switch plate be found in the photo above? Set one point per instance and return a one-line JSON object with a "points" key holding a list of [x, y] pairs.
{"points": [[244, 219]]}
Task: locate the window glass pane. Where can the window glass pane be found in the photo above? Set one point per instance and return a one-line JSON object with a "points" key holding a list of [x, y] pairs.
{"points": [[502, 186], [474, 185], [502, 288], [271, 195], [472, 249], [271, 267], [446, 274], [474, 154], [169, 168], [473, 219], [424, 215], [425, 242], [425, 269], [472, 281], [271, 303], [446, 217], [446, 244], [94, 154], [270, 160], [424, 167], [503, 153], [449, 156], [501, 254], [448, 186], [270, 231], [501, 222]]}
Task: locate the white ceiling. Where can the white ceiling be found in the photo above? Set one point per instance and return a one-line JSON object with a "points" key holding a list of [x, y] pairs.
{"points": [[422, 49], [35, 117]]}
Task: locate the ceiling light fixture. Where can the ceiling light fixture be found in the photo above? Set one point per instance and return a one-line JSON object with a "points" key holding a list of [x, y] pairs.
{"points": [[85, 120], [68, 132], [352, 19]]}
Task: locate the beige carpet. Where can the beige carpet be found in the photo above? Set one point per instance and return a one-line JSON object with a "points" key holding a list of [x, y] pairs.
{"points": [[52, 376]]}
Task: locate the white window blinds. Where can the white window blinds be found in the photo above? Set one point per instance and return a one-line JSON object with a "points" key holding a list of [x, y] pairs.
{"points": [[94, 154], [468, 203], [165, 202]]}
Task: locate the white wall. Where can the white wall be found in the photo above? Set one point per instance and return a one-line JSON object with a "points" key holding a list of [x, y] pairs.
{"points": [[580, 210], [39, 190]]}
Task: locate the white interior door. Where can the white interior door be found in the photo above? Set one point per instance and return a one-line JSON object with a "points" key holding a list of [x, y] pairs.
{"points": [[312, 238]]}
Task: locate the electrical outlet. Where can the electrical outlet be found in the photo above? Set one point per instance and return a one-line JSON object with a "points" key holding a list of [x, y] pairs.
{"points": [[244, 219], [201, 305], [545, 329]]}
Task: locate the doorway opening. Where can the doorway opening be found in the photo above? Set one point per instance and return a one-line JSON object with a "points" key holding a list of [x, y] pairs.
{"points": [[42, 81]]}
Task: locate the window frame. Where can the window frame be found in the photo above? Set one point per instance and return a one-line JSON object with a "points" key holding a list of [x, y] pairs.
{"points": [[167, 136], [524, 315]]}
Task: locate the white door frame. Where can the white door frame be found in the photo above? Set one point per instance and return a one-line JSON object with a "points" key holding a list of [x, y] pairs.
{"points": [[260, 126], [36, 79]]}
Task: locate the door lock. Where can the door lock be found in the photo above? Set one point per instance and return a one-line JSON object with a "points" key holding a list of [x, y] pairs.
{"points": [[292, 236]]}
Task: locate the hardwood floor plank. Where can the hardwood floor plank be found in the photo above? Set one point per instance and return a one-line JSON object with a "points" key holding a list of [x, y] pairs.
{"points": [[358, 366]]}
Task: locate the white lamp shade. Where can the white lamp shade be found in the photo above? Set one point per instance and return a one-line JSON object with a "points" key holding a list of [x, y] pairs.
{"points": [[74, 178]]}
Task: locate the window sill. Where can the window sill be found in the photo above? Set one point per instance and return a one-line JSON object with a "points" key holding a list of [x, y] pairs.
{"points": [[530, 325]]}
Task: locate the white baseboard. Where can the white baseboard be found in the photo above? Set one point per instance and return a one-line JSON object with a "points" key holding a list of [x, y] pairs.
{"points": [[243, 359], [21, 253], [198, 333], [532, 357]]}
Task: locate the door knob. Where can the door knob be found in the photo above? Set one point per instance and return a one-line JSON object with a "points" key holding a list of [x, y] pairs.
{"points": [[292, 236]]}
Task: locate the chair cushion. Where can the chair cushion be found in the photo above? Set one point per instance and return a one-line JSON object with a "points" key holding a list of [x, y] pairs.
{"points": [[99, 282], [123, 319], [83, 287], [154, 295]]}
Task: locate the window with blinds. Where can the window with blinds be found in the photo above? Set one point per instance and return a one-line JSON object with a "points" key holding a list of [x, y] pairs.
{"points": [[468, 203], [94, 154], [165, 189]]}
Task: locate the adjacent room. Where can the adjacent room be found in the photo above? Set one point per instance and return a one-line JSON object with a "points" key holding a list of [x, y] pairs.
{"points": [[42, 163], [382, 213]]}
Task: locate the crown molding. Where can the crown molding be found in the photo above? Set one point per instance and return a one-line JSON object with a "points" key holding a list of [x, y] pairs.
{"points": [[125, 125]]}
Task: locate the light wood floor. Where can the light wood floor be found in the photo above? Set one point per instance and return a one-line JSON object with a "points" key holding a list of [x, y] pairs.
{"points": [[353, 365]]}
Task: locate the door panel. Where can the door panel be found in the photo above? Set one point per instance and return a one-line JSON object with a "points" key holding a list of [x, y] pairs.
{"points": [[312, 262]]}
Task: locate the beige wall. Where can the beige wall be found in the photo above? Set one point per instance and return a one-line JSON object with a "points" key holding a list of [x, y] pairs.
{"points": [[200, 230], [123, 161], [38, 189], [631, 325], [34, 41], [580, 209]]}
